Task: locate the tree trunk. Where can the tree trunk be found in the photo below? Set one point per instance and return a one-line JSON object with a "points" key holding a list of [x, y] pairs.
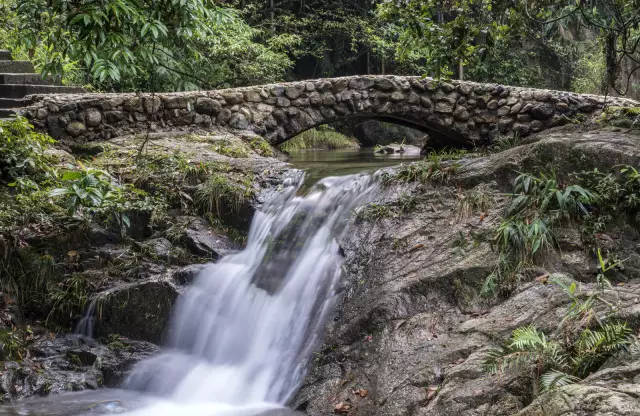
{"points": [[611, 59]]}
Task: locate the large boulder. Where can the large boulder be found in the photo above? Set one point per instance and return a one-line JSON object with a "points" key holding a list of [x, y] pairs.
{"points": [[139, 310]]}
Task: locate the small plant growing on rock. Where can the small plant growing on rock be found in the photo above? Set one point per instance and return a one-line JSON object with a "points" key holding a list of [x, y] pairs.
{"points": [[575, 349], [219, 194], [372, 212], [261, 147], [538, 204], [431, 170], [476, 199]]}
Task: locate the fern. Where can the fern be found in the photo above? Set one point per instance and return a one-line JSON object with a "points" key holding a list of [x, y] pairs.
{"points": [[554, 379], [593, 347], [527, 348]]}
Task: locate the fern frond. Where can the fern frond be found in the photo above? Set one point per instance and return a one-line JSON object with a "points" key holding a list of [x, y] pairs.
{"points": [[527, 338], [554, 379]]}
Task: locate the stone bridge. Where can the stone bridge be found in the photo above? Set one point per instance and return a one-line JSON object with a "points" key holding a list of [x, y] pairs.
{"points": [[451, 112]]}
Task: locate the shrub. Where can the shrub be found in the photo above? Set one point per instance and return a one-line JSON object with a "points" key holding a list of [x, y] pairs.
{"points": [[86, 188], [22, 150]]}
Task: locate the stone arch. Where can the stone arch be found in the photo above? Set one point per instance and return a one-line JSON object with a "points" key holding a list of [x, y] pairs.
{"points": [[454, 112]]}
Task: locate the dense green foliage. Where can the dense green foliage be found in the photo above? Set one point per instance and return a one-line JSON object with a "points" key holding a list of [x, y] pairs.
{"points": [[585, 44], [158, 45], [153, 45]]}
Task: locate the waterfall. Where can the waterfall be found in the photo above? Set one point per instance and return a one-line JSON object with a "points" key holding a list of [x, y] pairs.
{"points": [[84, 328], [242, 334]]}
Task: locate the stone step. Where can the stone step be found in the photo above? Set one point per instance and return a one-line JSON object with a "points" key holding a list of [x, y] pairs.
{"points": [[13, 102], [16, 67], [21, 90], [5, 55], [34, 79]]}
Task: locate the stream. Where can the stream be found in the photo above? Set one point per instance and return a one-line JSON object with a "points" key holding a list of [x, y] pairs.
{"points": [[241, 336]]}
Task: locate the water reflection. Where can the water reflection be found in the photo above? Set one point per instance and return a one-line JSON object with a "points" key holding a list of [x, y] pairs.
{"points": [[320, 164]]}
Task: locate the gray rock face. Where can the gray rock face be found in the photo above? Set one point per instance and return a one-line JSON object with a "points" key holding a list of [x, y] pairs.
{"points": [[201, 240], [611, 391], [428, 105], [411, 329]]}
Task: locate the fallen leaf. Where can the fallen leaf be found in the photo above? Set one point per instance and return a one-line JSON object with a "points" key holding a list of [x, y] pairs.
{"points": [[543, 278], [361, 392], [431, 392], [416, 247], [342, 408]]}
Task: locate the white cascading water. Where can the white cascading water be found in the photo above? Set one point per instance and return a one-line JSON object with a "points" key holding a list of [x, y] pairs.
{"points": [[242, 334]]}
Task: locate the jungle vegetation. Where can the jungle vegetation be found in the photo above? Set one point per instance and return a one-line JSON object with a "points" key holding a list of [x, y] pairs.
{"points": [[164, 45]]}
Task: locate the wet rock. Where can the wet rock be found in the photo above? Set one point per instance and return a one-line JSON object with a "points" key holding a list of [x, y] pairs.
{"points": [[186, 275], [139, 311], [405, 149], [70, 363], [201, 240], [158, 248]]}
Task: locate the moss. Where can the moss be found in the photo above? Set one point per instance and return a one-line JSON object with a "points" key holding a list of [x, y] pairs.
{"points": [[625, 117], [261, 147], [230, 149], [319, 138]]}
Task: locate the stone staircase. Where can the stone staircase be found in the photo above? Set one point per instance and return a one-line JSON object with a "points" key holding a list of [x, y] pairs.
{"points": [[18, 80]]}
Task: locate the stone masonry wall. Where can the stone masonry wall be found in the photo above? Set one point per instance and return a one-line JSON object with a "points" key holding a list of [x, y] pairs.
{"points": [[453, 112]]}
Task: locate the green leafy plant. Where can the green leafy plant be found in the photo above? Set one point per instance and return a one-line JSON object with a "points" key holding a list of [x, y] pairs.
{"points": [[530, 351], [538, 204], [618, 197], [594, 347], [22, 150], [14, 343], [85, 188]]}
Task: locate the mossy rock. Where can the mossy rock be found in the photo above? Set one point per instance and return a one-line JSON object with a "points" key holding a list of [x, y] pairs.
{"points": [[138, 311]]}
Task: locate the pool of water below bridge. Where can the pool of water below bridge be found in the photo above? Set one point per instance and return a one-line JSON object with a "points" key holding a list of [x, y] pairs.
{"points": [[319, 163]]}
